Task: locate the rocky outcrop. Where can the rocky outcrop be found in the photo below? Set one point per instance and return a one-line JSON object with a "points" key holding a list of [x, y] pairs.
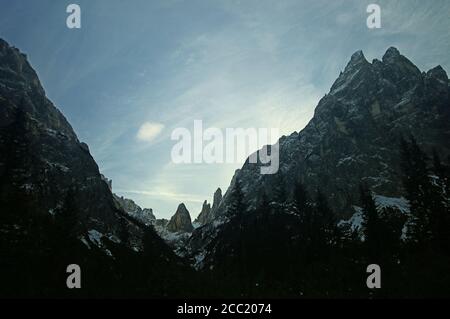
{"points": [[207, 214], [104, 178], [216, 200], [204, 215], [145, 215], [181, 221]]}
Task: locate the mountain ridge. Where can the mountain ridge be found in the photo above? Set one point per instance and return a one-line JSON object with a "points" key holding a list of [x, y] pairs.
{"points": [[48, 177], [353, 138]]}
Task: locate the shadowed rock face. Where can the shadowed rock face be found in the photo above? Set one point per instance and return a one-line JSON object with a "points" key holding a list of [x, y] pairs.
{"points": [[216, 200], [41, 158], [181, 221], [353, 138], [207, 214], [204, 215], [144, 215], [355, 132]]}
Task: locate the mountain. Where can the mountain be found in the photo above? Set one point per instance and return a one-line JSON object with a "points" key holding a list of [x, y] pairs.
{"points": [[207, 214], [56, 207], [355, 132], [356, 186], [180, 221], [145, 215], [204, 214], [352, 139], [175, 232], [42, 160]]}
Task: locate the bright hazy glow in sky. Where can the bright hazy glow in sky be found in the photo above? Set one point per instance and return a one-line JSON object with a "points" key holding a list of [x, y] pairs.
{"points": [[138, 69]]}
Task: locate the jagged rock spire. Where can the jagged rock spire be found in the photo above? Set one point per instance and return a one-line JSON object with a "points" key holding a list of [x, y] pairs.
{"points": [[391, 55], [207, 214], [217, 199], [181, 221], [204, 215]]}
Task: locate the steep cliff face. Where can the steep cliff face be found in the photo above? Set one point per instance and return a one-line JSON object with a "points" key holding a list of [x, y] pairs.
{"points": [[207, 214], [41, 157], [204, 215], [43, 165], [181, 221], [353, 138]]}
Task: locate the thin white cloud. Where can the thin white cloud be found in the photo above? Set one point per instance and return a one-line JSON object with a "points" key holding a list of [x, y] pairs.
{"points": [[149, 131]]}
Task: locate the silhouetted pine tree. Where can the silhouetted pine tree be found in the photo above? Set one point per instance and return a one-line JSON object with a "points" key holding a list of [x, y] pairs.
{"points": [[371, 224], [428, 197], [301, 199], [66, 220], [392, 222], [264, 205], [325, 221], [280, 194], [440, 219], [124, 233], [237, 205], [418, 187], [148, 243], [15, 135], [303, 208]]}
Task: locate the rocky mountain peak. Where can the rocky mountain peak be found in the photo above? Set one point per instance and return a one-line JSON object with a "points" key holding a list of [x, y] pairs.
{"points": [[357, 61], [16, 71], [358, 57], [438, 73], [204, 215], [217, 199], [206, 206], [398, 69], [208, 213], [144, 215], [391, 55], [181, 221]]}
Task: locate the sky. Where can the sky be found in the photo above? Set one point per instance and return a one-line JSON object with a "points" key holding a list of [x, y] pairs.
{"points": [[136, 70]]}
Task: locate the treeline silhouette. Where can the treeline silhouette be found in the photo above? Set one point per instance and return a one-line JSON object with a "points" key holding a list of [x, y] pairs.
{"points": [[292, 246], [295, 248]]}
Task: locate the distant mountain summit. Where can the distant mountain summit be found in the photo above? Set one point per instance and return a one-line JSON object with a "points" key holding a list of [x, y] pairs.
{"points": [[144, 215], [181, 221], [207, 214], [204, 215]]}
